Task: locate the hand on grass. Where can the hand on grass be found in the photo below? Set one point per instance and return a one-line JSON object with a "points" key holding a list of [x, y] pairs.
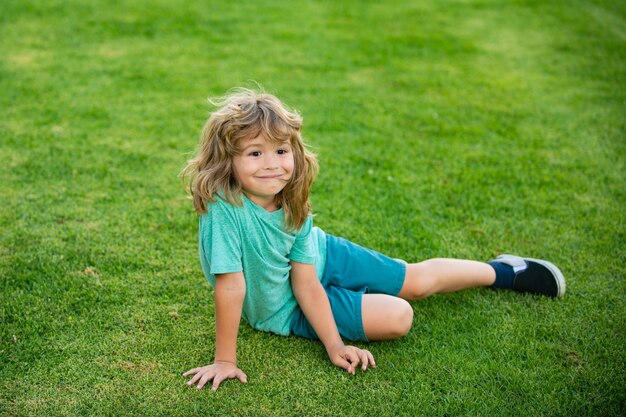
{"points": [[218, 372], [349, 357]]}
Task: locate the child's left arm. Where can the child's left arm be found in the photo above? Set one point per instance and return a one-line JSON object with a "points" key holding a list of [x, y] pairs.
{"points": [[314, 303]]}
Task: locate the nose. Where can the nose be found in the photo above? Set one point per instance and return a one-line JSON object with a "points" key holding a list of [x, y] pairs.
{"points": [[271, 161]]}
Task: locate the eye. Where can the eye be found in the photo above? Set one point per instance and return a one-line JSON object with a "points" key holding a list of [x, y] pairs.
{"points": [[255, 153], [282, 151]]}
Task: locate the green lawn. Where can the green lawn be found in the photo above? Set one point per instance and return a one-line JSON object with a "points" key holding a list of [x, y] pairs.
{"points": [[453, 128]]}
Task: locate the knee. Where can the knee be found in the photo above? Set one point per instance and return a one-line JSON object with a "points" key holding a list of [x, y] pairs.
{"points": [[402, 319], [421, 280]]}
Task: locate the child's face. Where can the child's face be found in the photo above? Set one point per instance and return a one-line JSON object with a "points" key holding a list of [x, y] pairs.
{"points": [[263, 169]]}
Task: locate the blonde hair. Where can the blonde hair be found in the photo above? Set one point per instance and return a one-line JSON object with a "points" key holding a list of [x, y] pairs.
{"points": [[246, 114]]}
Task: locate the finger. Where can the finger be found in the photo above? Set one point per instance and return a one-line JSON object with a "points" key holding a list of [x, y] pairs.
{"points": [[344, 364], [205, 378], [191, 371], [371, 359], [354, 360], [195, 378], [242, 377], [201, 372], [364, 360], [349, 368], [217, 381]]}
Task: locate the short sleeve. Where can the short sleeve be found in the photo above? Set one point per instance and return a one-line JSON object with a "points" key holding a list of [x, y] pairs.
{"points": [[303, 249], [221, 240]]}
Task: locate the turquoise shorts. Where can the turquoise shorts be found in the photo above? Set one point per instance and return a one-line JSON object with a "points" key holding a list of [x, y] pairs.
{"points": [[351, 271]]}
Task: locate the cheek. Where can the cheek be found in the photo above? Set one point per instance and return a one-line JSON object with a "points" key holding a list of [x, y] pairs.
{"points": [[236, 170]]}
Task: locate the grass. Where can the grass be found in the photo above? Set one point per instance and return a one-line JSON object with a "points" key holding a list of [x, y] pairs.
{"points": [[452, 128]]}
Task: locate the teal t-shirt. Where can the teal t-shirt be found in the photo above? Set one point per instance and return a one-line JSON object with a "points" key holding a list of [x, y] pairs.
{"points": [[251, 240]]}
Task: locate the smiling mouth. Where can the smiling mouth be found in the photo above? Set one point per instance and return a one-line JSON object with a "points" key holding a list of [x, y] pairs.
{"points": [[270, 177]]}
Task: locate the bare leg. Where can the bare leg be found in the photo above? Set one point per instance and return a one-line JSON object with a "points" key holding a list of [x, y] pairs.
{"points": [[389, 317], [385, 316], [437, 276]]}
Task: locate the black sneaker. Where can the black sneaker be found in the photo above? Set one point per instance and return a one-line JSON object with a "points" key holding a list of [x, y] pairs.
{"points": [[535, 276]]}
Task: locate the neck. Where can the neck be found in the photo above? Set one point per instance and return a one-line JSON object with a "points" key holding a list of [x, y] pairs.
{"points": [[267, 203]]}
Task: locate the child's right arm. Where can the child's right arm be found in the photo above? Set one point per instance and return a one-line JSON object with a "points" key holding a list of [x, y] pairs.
{"points": [[230, 290]]}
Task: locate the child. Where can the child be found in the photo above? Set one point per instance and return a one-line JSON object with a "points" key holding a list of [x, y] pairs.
{"points": [[250, 183]]}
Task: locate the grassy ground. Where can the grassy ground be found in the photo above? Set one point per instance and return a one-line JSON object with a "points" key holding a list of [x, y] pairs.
{"points": [[452, 128]]}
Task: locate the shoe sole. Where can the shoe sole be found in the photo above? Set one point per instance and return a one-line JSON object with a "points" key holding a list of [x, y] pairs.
{"points": [[560, 280]]}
